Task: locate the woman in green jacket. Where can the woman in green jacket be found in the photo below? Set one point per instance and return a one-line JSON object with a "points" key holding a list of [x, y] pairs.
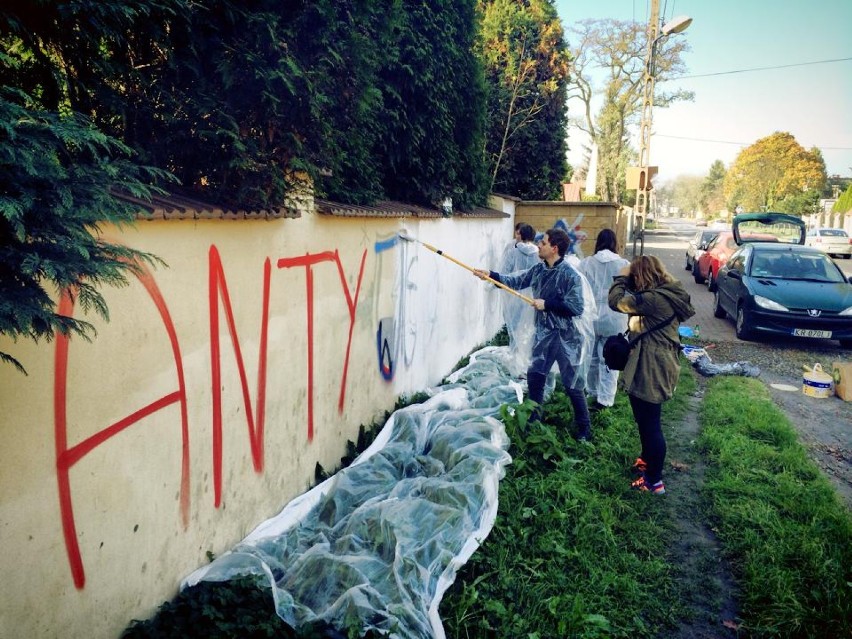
{"points": [[650, 296]]}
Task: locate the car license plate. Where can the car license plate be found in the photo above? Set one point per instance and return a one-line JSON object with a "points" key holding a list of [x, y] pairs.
{"points": [[806, 332]]}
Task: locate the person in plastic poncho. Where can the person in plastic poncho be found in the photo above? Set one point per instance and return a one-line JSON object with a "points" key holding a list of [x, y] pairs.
{"points": [[519, 316], [650, 295], [600, 269], [564, 333]]}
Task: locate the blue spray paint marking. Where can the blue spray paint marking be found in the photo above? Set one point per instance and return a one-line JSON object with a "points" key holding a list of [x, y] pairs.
{"points": [[385, 245]]}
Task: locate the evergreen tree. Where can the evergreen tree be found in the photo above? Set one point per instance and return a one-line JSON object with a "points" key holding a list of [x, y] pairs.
{"points": [[712, 189], [844, 202], [434, 107], [58, 172], [57, 182]]}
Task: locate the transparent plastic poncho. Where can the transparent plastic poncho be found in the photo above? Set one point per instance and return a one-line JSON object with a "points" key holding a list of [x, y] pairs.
{"points": [[599, 269], [576, 335], [518, 315], [379, 543]]}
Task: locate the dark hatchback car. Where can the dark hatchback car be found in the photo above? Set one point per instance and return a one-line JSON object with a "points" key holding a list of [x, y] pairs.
{"points": [[694, 247], [785, 289]]}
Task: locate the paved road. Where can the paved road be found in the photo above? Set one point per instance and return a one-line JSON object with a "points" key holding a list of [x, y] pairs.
{"points": [[669, 244]]}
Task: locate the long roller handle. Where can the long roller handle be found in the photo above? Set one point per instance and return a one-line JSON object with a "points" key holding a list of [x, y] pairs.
{"points": [[528, 300]]}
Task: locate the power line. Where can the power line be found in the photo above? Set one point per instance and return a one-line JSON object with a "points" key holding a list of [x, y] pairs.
{"points": [[780, 66], [679, 137]]}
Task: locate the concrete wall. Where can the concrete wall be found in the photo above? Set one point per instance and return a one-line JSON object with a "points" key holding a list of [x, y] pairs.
{"points": [[592, 217], [203, 406]]}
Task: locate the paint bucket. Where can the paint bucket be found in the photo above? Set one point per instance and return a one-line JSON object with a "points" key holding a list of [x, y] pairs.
{"points": [[816, 382]]}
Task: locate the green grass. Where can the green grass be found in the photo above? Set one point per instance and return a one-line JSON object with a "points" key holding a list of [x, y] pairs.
{"points": [[784, 529], [575, 553]]}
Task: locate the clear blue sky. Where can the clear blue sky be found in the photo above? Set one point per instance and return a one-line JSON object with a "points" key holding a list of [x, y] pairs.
{"points": [[732, 111]]}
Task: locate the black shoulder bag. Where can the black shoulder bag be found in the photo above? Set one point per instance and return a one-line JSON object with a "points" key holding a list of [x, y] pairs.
{"points": [[616, 350]]}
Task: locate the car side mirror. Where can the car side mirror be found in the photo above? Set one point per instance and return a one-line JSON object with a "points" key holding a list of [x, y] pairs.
{"points": [[703, 246]]}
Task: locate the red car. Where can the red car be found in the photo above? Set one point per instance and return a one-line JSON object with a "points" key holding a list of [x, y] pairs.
{"points": [[716, 254]]}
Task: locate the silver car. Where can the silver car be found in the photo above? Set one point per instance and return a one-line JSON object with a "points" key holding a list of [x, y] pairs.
{"points": [[831, 241], [693, 248]]}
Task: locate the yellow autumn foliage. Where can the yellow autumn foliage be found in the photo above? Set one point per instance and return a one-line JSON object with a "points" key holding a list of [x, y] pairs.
{"points": [[771, 170]]}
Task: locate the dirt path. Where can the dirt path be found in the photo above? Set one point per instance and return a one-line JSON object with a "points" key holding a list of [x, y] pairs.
{"points": [[708, 587]]}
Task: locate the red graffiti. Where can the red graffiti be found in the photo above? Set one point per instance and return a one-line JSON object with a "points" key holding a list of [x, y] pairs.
{"points": [[66, 457], [219, 288], [217, 292], [308, 261]]}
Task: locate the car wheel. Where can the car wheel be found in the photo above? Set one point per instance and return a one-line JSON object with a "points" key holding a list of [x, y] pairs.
{"points": [[718, 311], [696, 274], [743, 330], [688, 266], [711, 281]]}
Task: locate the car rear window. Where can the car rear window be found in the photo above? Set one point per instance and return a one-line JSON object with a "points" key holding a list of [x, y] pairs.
{"points": [[833, 233]]}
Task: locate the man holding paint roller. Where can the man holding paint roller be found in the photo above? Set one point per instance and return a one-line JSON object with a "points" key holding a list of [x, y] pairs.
{"points": [[558, 298]]}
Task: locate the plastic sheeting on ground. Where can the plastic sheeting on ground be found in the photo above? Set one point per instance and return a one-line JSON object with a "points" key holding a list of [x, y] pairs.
{"points": [[701, 361], [380, 542]]}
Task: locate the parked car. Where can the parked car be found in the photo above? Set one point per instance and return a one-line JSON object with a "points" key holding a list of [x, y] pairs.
{"points": [[701, 222], [784, 289], [832, 241], [754, 227], [746, 228], [716, 254], [693, 248]]}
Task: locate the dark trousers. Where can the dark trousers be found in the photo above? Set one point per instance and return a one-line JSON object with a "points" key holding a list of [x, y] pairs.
{"points": [[647, 416], [535, 384]]}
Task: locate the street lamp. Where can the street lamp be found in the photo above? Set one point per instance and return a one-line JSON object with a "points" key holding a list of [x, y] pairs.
{"points": [[676, 25], [655, 35]]}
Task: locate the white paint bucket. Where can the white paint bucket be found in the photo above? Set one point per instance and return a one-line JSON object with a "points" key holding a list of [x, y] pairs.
{"points": [[817, 383]]}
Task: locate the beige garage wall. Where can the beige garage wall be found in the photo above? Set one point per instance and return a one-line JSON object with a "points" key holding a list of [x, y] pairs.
{"points": [[128, 459]]}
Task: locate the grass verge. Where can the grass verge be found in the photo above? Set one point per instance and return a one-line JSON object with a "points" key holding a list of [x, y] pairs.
{"points": [[784, 529], [574, 551]]}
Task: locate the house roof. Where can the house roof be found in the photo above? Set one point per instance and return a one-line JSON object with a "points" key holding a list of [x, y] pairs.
{"points": [[392, 208], [176, 206]]}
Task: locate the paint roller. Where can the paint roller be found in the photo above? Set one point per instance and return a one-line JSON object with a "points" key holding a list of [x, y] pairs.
{"points": [[404, 236]]}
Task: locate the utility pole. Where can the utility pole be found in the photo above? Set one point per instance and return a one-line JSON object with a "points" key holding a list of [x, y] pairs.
{"points": [[644, 186], [640, 177]]}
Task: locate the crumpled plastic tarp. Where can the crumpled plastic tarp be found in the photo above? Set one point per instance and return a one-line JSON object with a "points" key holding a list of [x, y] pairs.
{"points": [[380, 542], [707, 368]]}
